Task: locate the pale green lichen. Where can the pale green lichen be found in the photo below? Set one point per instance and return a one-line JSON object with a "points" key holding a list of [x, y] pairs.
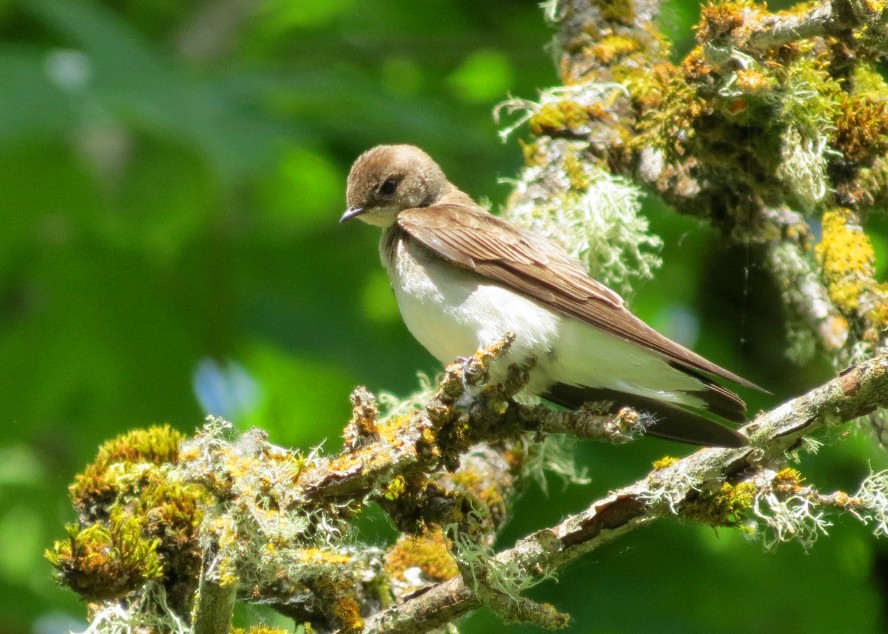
{"points": [[668, 486], [808, 104], [267, 533], [873, 496], [482, 567], [392, 405], [801, 344], [785, 510], [553, 454], [803, 165], [594, 215], [147, 610]]}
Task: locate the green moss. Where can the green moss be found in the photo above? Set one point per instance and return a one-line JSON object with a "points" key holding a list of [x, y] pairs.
{"points": [[867, 81], [130, 478], [861, 128], [103, 562], [672, 112], [811, 96], [158, 444], [725, 507]]}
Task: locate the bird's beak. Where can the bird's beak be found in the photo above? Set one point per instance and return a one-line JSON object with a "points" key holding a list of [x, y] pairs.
{"points": [[351, 212]]}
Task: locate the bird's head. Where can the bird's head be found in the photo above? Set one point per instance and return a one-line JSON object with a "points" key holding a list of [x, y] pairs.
{"points": [[387, 179]]}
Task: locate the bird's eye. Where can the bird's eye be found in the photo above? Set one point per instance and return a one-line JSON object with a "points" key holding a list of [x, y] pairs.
{"points": [[389, 186]]}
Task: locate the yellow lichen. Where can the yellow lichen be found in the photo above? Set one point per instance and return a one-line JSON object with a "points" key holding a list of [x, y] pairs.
{"points": [[577, 176], [847, 259], [428, 552], [611, 47], [664, 462], [754, 81], [557, 117], [320, 556], [725, 507], [485, 490], [532, 154], [734, 18], [788, 480], [345, 609], [391, 429]]}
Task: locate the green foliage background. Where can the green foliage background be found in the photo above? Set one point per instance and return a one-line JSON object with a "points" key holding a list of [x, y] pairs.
{"points": [[171, 174]]}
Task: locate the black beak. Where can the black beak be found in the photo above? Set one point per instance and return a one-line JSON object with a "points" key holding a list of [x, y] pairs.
{"points": [[351, 212]]}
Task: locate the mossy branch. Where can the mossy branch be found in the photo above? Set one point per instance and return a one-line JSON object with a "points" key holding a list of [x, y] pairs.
{"points": [[275, 525], [694, 487], [772, 120], [760, 31]]}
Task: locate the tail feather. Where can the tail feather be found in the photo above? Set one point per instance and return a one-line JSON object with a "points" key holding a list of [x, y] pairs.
{"points": [[672, 421]]}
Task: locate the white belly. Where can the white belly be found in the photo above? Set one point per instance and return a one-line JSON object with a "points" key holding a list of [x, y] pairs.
{"points": [[452, 312]]}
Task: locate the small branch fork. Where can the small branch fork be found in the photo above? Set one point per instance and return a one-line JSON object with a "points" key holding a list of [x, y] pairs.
{"points": [[437, 434]]}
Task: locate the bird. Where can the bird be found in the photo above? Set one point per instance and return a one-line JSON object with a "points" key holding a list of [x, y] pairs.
{"points": [[463, 277]]}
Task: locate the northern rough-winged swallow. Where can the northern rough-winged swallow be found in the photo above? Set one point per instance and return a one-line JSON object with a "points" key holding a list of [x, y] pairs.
{"points": [[463, 278]]}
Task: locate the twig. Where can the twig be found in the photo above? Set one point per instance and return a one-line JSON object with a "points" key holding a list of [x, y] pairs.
{"points": [[214, 606]]}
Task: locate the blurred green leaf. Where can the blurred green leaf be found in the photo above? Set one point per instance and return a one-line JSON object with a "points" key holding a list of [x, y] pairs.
{"points": [[484, 76], [303, 402], [299, 194]]}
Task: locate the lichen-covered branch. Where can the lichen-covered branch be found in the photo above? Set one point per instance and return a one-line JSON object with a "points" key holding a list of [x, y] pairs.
{"points": [[241, 517], [770, 111], [718, 486], [801, 287], [756, 30], [244, 518]]}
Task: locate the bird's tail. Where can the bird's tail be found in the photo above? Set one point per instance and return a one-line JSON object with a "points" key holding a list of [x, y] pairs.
{"points": [[671, 421]]}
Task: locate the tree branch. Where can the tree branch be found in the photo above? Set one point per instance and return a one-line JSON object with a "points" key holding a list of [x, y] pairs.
{"points": [[854, 393]]}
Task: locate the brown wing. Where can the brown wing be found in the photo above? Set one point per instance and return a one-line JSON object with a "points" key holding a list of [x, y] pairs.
{"points": [[538, 268]]}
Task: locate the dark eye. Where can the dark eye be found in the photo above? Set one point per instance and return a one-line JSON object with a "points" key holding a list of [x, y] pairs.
{"points": [[389, 186]]}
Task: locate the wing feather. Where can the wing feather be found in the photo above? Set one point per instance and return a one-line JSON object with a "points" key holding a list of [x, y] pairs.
{"points": [[470, 237]]}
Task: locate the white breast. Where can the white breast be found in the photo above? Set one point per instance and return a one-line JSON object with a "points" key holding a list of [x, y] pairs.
{"points": [[452, 312]]}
